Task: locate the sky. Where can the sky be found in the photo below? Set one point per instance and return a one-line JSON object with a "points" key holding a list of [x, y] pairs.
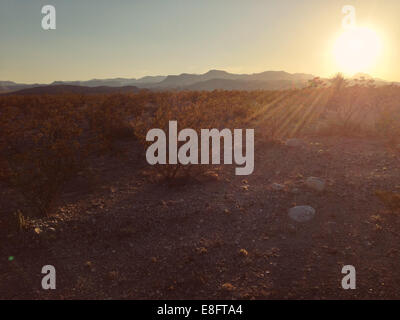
{"points": [[131, 39]]}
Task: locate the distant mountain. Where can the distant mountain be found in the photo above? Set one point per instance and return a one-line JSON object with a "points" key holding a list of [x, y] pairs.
{"points": [[211, 80], [117, 82], [360, 75], [9, 86], [366, 77], [150, 79], [228, 84], [57, 89], [7, 83], [185, 80]]}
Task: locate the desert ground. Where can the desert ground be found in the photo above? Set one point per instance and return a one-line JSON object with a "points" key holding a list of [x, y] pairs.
{"points": [[118, 229]]}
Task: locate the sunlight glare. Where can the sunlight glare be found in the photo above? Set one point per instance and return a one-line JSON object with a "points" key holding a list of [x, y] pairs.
{"points": [[357, 50]]}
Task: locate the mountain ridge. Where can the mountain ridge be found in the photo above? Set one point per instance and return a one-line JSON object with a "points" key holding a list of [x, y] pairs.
{"points": [[211, 80], [63, 89]]}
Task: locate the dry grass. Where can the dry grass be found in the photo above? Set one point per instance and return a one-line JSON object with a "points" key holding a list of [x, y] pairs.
{"points": [[45, 140]]}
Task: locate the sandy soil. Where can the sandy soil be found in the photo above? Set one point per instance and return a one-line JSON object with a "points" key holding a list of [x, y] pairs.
{"points": [[127, 236]]}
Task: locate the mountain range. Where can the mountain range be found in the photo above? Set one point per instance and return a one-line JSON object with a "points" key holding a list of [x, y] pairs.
{"points": [[211, 80], [67, 88]]}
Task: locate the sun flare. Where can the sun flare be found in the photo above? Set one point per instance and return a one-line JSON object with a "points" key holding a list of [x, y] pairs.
{"points": [[357, 50]]}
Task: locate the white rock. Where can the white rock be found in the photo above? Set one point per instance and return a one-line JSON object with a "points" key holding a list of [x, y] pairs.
{"points": [[295, 190], [295, 143], [315, 183], [277, 186], [302, 213]]}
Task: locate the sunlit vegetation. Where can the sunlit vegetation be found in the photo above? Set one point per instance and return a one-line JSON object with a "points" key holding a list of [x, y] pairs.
{"points": [[46, 140]]}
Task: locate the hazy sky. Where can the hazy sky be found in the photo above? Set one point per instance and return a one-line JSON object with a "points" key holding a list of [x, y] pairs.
{"points": [[128, 38]]}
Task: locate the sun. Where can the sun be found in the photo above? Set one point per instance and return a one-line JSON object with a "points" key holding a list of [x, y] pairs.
{"points": [[357, 50]]}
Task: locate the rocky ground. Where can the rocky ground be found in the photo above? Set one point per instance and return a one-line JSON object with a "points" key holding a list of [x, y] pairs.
{"points": [[126, 235]]}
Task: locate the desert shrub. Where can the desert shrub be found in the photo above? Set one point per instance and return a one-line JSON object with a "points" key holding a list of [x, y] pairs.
{"points": [[40, 153], [349, 110], [195, 110], [44, 140], [107, 123], [388, 125], [111, 118]]}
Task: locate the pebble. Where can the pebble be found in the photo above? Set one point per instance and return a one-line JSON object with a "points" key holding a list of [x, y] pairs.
{"points": [[302, 213]]}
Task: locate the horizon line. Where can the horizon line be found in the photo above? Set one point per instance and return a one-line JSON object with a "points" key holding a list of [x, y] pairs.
{"points": [[194, 73]]}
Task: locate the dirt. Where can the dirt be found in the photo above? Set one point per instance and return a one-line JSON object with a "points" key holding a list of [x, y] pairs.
{"points": [[127, 235]]}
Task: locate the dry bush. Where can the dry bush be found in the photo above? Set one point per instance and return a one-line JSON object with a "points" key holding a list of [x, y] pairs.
{"points": [[195, 110], [388, 125], [351, 110], [110, 118], [44, 140], [41, 153]]}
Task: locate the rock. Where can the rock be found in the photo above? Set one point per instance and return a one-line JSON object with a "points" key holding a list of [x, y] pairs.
{"points": [[315, 183], [295, 190], [228, 287], [302, 213], [295, 143], [277, 186]]}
